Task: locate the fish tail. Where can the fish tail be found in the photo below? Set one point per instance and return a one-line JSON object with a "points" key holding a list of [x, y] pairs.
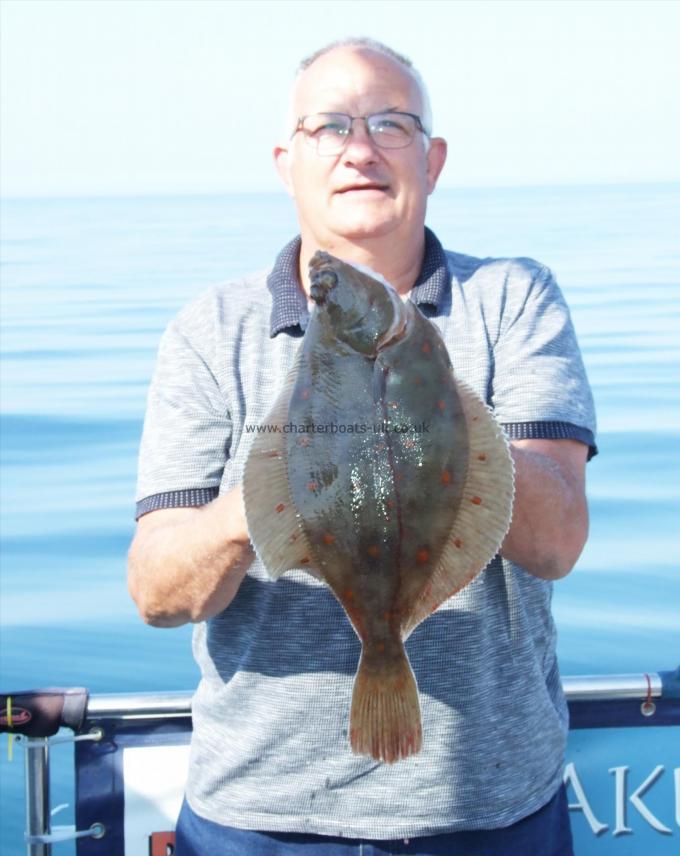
{"points": [[385, 715]]}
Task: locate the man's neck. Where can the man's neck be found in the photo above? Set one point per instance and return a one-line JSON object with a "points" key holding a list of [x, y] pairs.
{"points": [[399, 264]]}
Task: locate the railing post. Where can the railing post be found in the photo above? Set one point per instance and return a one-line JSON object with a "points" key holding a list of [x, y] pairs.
{"points": [[38, 794]]}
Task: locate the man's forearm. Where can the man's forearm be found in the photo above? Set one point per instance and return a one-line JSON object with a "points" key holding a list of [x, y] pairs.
{"points": [[186, 564], [550, 515]]}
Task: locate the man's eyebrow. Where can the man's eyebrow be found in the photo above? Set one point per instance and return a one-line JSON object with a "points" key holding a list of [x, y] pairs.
{"points": [[372, 113], [386, 110]]}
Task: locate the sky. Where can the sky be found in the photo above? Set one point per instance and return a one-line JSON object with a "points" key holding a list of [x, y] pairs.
{"points": [[170, 96]]}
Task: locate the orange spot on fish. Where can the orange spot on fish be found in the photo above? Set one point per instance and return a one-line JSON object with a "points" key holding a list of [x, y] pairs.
{"points": [[304, 560], [476, 500], [349, 594], [441, 404], [293, 538], [426, 348], [274, 454], [312, 485], [387, 615], [380, 647], [303, 441], [305, 394], [481, 457], [417, 380], [328, 538], [409, 444], [457, 543], [390, 503], [422, 556], [380, 447], [280, 507], [446, 477], [373, 550]]}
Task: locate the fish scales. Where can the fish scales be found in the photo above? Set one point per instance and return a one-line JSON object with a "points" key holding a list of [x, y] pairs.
{"points": [[392, 484]]}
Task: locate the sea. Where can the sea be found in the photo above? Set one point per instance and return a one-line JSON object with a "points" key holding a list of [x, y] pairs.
{"points": [[88, 285]]}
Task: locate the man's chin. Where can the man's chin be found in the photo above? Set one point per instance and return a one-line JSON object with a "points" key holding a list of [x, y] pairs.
{"points": [[364, 227]]}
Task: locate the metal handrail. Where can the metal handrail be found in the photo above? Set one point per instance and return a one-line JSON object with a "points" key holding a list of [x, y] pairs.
{"points": [[161, 704], [139, 705], [612, 687]]}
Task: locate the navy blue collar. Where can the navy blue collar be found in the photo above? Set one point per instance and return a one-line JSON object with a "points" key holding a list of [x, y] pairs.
{"points": [[289, 302]]}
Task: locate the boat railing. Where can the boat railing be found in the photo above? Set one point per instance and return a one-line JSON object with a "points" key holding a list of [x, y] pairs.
{"points": [[580, 688], [595, 701]]}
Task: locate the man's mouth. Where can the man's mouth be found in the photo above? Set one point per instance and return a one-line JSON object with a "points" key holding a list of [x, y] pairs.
{"points": [[363, 186]]}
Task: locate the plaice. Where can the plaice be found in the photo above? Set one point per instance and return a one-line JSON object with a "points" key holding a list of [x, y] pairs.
{"points": [[382, 475]]}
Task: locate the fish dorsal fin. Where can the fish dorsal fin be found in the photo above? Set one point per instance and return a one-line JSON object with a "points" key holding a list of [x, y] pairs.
{"points": [[484, 515], [274, 525]]}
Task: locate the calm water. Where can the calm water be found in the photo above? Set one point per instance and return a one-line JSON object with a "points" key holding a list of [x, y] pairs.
{"points": [[87, 287]]}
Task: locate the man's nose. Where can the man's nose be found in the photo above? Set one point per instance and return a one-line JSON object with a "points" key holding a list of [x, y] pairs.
{"points": [[360, 147]]}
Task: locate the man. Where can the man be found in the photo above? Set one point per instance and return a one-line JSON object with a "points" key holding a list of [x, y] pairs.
{"points": [[270, 768]]}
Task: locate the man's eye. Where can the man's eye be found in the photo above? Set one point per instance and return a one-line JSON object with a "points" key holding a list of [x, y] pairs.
{"points": [[325, 124], [387, 125], [331, 128]]}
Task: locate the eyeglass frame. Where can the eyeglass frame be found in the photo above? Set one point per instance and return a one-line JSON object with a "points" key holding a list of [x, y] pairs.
{"points": [[419, 127]]}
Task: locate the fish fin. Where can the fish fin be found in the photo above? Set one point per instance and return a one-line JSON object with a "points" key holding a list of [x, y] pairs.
{"points": [[385, 715], [484, 515], [274, 526]]}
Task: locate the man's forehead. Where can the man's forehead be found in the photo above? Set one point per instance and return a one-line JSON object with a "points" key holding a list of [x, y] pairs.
{"points": [[348, 74]]}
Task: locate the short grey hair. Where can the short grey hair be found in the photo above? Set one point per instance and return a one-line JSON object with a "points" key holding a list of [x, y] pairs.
{"points": [[374, 45]]}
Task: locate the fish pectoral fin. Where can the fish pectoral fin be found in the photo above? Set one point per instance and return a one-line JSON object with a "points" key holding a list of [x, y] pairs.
{"points": [[273, 523], [484, 515]]}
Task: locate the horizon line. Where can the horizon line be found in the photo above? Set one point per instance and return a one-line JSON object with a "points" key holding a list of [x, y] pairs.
{"points": [[145, 194]]}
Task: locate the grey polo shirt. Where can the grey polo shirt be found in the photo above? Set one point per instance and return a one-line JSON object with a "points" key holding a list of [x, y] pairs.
{"points": [[269, 748]]}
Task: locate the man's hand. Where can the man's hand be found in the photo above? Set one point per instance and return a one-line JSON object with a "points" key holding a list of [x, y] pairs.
{"points": [[186, 564], [550, 515]]}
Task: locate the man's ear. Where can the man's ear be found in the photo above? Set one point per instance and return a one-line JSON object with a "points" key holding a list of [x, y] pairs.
{"points": [[282, 159], [436, 158]]}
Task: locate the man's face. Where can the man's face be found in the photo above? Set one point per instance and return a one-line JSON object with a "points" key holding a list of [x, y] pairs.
{"points": [[364, 191]]}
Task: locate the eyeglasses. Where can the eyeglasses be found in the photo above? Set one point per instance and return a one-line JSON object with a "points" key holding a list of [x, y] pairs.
{"points": [[328, 133]]}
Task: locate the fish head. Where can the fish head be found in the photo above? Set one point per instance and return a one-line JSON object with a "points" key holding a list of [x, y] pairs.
{"points": [[357, 306]]}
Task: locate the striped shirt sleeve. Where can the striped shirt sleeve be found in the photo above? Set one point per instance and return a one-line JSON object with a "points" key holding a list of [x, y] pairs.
{"points": [[540, 388], [187, 428]]}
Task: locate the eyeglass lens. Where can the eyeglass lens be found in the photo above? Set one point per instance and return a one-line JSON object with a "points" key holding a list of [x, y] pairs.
{"points": [[329, 132]]}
